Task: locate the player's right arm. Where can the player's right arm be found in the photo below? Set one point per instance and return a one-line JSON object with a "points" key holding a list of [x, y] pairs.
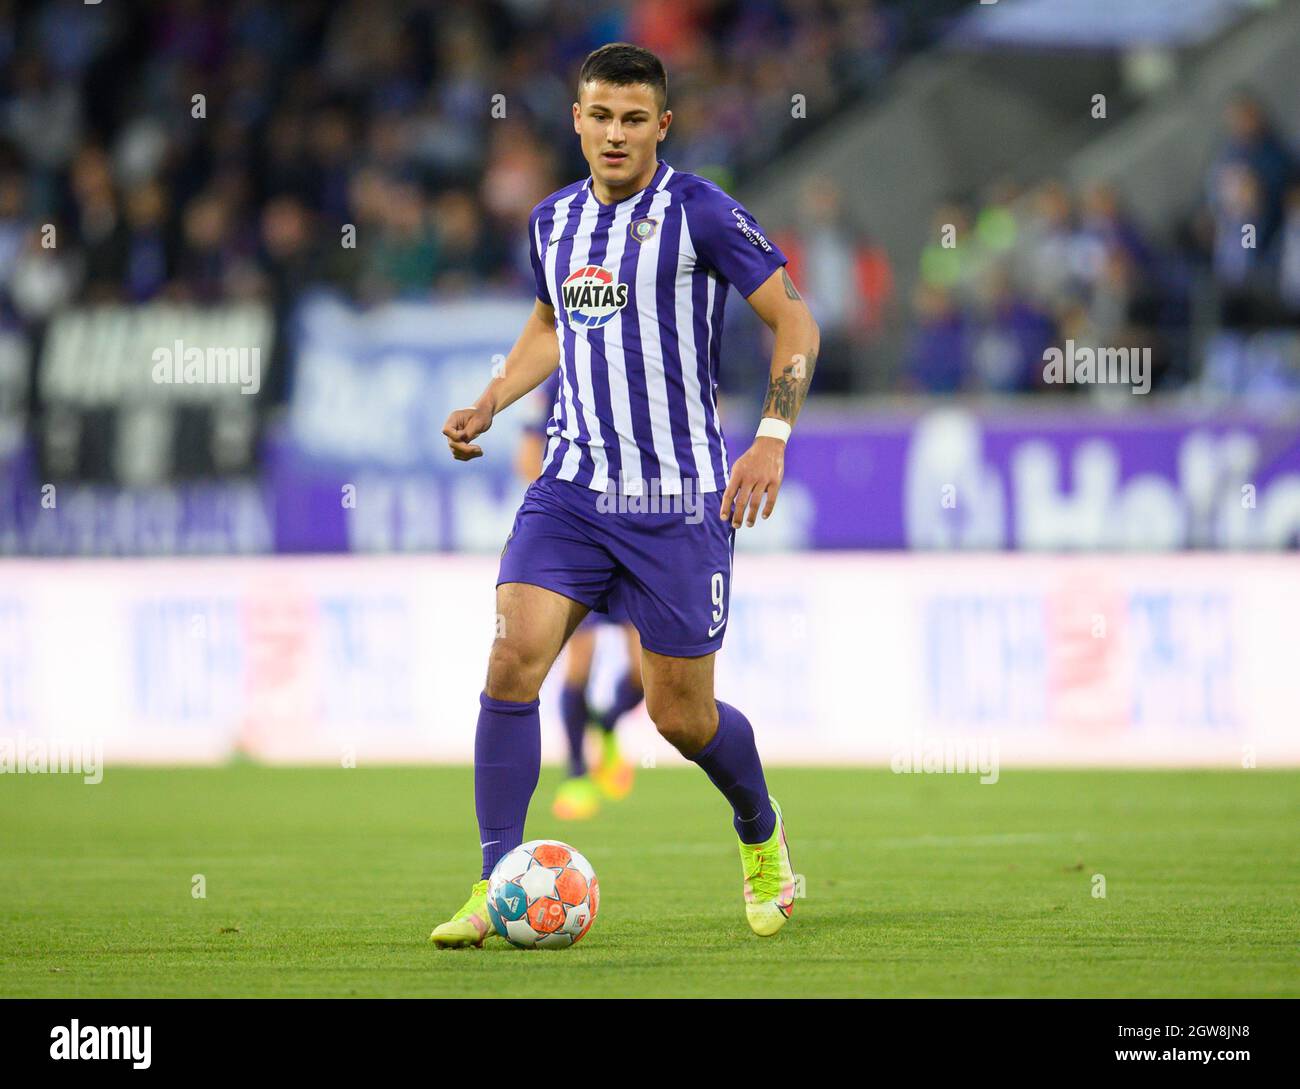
{"points": [[535, 355]]}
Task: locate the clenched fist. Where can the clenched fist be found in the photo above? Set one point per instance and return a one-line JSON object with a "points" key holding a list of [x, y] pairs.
{"points": [[463, 425]]}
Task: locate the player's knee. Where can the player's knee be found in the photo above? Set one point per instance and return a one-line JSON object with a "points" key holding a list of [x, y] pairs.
{"points": [[684, 723], [513, 673]]}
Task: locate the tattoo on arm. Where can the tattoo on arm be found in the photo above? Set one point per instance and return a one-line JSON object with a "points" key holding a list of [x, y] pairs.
{"points": [[786, 391], [790, 291]]}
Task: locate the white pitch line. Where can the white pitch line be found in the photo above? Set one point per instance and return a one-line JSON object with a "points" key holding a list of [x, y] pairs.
{"points": [[995, 840]]}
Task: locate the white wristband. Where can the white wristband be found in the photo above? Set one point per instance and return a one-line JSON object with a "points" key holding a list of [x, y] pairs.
{"points": [[770, 428]]}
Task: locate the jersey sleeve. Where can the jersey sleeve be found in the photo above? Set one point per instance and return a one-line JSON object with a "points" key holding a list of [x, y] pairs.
{"points": [[535, 258], [729, 240]]}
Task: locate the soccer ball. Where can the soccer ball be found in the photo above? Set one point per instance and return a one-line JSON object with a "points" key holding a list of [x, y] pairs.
{"points": [[543, 895]]}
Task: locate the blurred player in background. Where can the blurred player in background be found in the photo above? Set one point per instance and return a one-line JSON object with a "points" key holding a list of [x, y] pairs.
{"points": [[578, 797], [632, 267]]}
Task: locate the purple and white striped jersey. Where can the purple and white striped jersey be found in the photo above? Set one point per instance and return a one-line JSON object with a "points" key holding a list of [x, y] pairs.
{"points": [[638, 289]]}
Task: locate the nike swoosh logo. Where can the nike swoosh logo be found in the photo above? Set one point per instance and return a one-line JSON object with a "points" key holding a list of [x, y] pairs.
{"points": [[489, 843], [714, 631]]}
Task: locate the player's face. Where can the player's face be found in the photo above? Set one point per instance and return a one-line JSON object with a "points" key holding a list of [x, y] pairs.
{"points": [[620, 129]]}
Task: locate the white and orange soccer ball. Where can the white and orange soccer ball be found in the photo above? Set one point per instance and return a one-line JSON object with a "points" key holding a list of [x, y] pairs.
{"points": [[543, 895]]}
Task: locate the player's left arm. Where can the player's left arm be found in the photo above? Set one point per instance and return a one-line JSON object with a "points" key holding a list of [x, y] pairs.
{"points": [[759, 471]]}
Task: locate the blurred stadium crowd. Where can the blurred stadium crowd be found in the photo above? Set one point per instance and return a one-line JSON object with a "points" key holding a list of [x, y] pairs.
{"points": [[316, 116], [1049, 264]]}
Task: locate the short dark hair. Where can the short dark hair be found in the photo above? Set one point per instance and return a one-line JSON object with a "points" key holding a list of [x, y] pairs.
{"points": [[623, 65]]}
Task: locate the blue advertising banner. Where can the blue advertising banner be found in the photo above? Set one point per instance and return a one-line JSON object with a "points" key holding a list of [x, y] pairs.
{"points": [[357, 464], [361, 464]]}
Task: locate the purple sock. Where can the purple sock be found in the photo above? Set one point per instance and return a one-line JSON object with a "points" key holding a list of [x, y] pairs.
{"points": [[573, 709], [507, 761], [626, 696], [731, 761]]}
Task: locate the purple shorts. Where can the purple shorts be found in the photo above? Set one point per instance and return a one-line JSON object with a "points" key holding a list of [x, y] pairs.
{"points": [[668, 573]]}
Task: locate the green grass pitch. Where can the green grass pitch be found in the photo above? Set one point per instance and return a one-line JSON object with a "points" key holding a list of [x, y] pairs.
{"points": [[325, 882]]}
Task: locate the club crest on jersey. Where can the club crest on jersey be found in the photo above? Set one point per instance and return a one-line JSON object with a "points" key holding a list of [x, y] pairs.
{"points": [[592, 296], [643, 229]]}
